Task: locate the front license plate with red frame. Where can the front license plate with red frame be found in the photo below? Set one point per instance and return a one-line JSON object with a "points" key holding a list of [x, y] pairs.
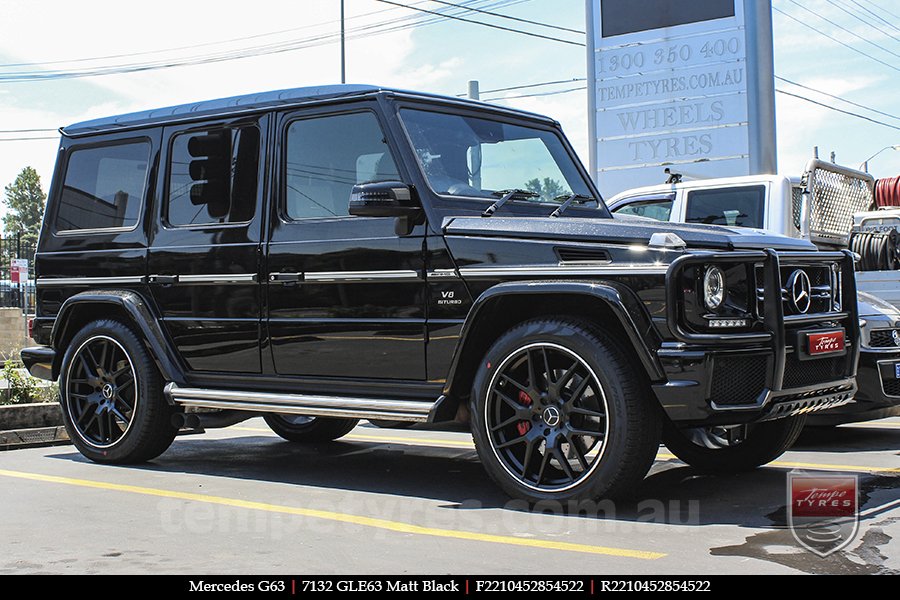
{"points": [[825, 342]]}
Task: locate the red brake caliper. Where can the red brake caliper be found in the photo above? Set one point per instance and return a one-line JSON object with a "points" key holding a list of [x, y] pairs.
{"points": [[524, 426]]}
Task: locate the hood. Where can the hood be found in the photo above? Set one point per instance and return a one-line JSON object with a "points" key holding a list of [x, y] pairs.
{"points": [[873, 308], [622, 230]]}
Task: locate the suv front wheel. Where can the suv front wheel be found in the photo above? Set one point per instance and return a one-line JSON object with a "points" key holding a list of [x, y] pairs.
{"points": [[112, 396], [732, 448], [559, 413]]}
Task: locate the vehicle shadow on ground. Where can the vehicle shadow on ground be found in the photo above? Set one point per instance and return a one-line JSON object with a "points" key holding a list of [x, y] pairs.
{"points": [[672, 493], [850, 439]]}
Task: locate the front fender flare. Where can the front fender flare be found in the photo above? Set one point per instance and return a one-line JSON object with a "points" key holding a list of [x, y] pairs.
{"points": [[141, 317], [623, 303]]}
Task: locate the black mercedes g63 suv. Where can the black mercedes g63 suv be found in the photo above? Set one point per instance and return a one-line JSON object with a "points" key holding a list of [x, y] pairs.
{"points": [[322, 255]]}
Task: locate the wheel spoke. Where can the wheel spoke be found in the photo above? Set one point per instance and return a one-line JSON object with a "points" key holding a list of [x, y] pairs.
{"points": [[123, 402], [104, 351], [578, 392], [585, 432], [532, 376], [564, 462], [518, 440], [545, 460], [587, 412], [513, 382], [576, 445], [547, 370], [570, 372], [529, 452], [116, 374], [506, 423], [119, 415], [85, 411]]}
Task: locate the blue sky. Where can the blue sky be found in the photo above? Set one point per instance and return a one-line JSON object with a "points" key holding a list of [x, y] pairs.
{"points": [[439, 57]]}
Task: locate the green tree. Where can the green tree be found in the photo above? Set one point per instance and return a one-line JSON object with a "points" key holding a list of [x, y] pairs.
{"points": [[25, 202], [548, 188]]}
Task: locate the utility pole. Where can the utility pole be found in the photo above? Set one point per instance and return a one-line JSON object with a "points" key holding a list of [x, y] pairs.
{"points": [[343, 48], [475, 152]]}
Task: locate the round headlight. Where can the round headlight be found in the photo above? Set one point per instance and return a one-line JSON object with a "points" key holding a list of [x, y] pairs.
{"points": [[713, 288]]}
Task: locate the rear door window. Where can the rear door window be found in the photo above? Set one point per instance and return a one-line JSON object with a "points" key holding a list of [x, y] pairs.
{"points": [[104, 187], [732, 207]]}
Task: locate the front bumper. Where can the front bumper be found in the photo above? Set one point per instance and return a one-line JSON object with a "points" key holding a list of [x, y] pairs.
{"points": [[879, 391], [40, 361], [736, 378]]}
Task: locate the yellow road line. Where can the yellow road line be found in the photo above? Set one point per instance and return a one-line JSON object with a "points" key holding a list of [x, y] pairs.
{"points": [[418, 441], [396, 526], [809, 465]]}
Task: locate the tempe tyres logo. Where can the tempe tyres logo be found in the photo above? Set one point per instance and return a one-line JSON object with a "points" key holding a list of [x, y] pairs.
{"points": [[823, 511]]}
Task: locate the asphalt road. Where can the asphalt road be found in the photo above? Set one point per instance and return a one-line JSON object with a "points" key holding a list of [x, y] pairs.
{"points": [[241, 500]]}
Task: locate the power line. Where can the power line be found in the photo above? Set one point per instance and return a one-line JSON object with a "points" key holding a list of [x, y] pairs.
{"points": [[27, 139], [535, 95], [834, 39], [842, 28], [491, 25], [881, 8], [857, 104], [864, 22], [875, 15], [511, 18], [528, 85], [27, 130], [273, 48], [840, 110]]}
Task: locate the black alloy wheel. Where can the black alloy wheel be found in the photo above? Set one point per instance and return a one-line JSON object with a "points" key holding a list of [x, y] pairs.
{"points": [[101, 391], [547, 417]]}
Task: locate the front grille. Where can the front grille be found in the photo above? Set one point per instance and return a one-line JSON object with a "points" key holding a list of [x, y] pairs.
{"points": [[823, 290], [738, 380], [801, 373], [891, 387], [884, 338]]}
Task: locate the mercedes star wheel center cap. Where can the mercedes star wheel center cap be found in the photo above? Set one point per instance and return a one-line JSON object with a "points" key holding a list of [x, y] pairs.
{"points": [[551, 416]]}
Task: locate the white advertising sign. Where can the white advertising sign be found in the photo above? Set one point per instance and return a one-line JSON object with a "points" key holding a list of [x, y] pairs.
{"points": [[669, 87]]}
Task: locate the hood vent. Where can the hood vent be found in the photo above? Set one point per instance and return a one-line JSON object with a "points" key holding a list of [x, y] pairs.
{"points": [[581, 254]]}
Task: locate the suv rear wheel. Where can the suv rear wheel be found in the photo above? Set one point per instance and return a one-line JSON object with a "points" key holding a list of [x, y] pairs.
{"points": [[559, 413], [302, 428], [727, 449], [112, 396]]}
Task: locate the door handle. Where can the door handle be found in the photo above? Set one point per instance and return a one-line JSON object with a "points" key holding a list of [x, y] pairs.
{"points": [[163, 279], [285, 277]]}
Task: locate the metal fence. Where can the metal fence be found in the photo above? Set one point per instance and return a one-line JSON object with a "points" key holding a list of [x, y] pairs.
{"points": [[14, 294]]}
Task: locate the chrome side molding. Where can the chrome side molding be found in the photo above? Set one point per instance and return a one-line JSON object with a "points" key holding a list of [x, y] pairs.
{"points": [[302, 404]]}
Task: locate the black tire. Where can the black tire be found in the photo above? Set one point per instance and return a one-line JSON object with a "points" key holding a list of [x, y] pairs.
{"points": [[385, 424], [591, 376], [112, 396], [302, 429], [756, 445]]}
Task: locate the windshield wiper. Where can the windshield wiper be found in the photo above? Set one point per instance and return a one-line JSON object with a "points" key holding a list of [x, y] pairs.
{"points": [[567, 201], [507, 195]]}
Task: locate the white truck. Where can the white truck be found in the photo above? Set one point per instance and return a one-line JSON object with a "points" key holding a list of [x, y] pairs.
{"points": [[831, 206]]}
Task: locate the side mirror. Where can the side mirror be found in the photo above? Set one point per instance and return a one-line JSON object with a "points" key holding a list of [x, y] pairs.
{"points": [[383, 199]]}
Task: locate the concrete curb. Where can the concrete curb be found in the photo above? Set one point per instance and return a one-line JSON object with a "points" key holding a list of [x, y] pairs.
{"points": [[35, 437], [31, 426]]}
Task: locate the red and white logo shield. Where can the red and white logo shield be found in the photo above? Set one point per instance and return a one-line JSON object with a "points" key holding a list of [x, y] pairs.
{"points": [[823, 511]]}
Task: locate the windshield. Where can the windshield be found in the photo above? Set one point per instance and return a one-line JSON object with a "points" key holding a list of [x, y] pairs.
{"points": [[472, 157]]}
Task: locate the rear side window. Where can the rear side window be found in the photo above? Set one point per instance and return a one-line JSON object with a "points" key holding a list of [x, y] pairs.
{"points": [[213, 176], [733, 207], [104, 187], [327, 156]]}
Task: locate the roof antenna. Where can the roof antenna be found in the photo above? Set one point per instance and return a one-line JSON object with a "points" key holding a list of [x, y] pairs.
{"points": [[672, 176]]}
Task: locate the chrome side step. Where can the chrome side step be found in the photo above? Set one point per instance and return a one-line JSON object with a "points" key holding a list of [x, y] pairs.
{"points": [[302, 404]]}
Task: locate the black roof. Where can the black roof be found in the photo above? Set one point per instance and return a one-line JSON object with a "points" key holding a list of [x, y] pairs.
{"points": [[251, 102]]}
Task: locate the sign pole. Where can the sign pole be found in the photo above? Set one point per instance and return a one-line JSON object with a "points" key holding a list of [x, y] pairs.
{"points": [[760, 86]]}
